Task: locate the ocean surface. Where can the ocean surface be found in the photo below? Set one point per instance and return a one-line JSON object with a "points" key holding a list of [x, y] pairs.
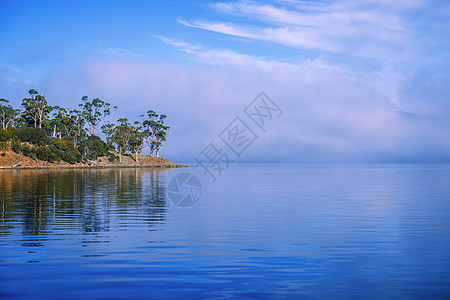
{"points": [[258, 231]]}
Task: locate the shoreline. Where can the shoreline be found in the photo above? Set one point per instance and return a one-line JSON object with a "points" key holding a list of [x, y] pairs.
{"points": [[94, 167], [9, 160]]}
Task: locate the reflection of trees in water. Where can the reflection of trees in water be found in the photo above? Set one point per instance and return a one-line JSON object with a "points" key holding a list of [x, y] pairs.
{"points": [[44, 200], [5, 212], [34, 219], [141, 192]]}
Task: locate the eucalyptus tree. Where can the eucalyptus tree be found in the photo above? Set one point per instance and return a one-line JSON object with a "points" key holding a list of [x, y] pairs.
{"points": [[36, 109], [8, 114], [161, 136], [121, 135], [94, 112], [136, 139], [108, 131], [59, 124], [77, 130], [156, 131]]}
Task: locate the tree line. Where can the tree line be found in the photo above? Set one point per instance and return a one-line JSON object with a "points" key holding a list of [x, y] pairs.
{"points": [[43, 131]]}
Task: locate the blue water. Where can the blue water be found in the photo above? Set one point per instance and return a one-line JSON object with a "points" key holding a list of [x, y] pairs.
{"points": [[259, 231]]}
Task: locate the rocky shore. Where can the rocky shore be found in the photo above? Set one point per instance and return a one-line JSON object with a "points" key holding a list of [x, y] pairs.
{"points": [[12, 160]]}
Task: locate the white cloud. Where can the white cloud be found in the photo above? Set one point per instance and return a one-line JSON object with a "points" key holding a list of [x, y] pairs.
{"points": [[288, 36], [342, 27], [331, 114], [225, 57]]}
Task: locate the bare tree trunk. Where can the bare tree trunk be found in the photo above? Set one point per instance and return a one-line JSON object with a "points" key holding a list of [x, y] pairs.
{"points": [[151, 148], [136, 157]]}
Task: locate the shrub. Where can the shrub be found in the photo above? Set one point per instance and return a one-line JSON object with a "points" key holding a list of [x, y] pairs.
{"points": [[52, 157], [42, 153], [72, 155], [25, 149], [55, 153], [63, 149], [112, 157], [15, 146], [6, 134], [72, 158], [32, 153], [58, 143], [3, 154], [3, 145], [93, 147], [36, 136]]}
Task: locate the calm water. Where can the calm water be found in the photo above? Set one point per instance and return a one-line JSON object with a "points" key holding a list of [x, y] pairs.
{"points": [[260, 231]]}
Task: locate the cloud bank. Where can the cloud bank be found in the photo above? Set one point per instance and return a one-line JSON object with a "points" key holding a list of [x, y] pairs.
{"points": [[329, 116], [357, 81]]}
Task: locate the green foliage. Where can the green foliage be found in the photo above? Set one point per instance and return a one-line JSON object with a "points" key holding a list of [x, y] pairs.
{"points": [[112, 157], [36, 136], [56, 150], [25, 149], [42, 153], [67, 124], [36, 109], [63, 149], [108, 130], [7, 134], [120, 135], [8, 114], [136, 139], [62, 136], [94, 112], [72, 154], [55, 154], [60, 144], [93, 147], [15, 146], [156, 131]]}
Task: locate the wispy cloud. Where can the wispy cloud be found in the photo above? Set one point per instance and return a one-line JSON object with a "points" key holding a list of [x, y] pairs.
{"points": [[342, 27], [11, 74], [9, 68], [319, 15], [118, 52], [288, 36], [225, 57]]}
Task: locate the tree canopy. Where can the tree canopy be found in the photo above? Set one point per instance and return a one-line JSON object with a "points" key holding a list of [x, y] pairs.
{"points": [[77, 129], [155, 131], [94, 112]]}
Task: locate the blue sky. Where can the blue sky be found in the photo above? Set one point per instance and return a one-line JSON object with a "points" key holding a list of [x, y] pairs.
{"points": [[358, 81]]}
